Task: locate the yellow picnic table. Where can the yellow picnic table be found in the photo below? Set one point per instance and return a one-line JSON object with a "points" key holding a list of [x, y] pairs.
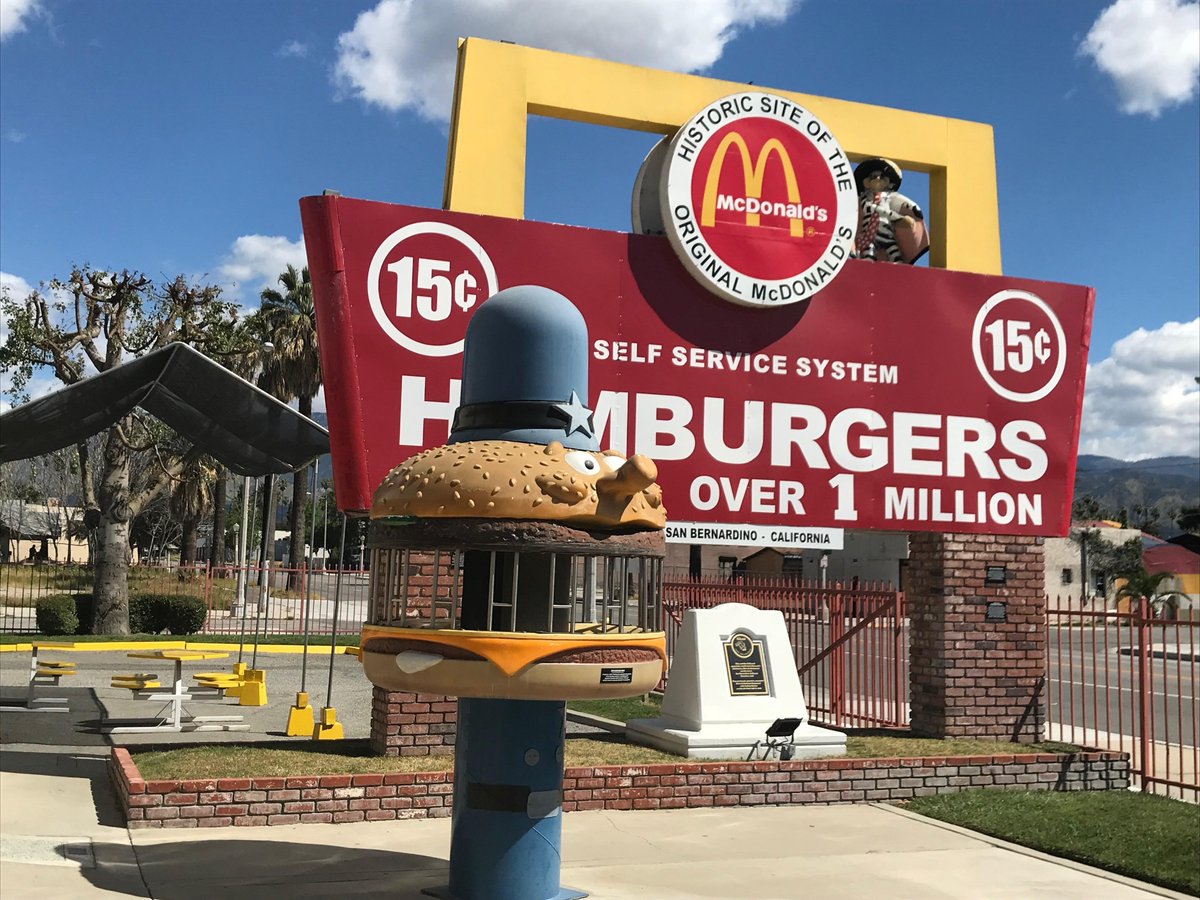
{"points": [[45, 670], [178, 719]]}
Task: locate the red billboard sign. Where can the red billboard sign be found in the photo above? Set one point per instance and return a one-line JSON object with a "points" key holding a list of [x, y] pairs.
{"points": [[899, 398]]}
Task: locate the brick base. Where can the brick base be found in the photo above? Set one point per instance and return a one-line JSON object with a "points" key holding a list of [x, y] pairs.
{"points": [[971, 676], [357, 798], [404, 724]]}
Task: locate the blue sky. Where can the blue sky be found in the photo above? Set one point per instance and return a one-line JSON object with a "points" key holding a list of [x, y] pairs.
{"points": [[177, 137]]}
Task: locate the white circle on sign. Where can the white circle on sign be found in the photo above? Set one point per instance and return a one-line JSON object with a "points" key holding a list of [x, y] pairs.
{"points": [[981, 363], [718, 230], [532, 757], [395, 238]]}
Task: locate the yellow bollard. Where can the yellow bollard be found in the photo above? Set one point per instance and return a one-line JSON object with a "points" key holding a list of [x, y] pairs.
{"points": [[300, 717], [328, 728], [235, 693], [254, 690]]}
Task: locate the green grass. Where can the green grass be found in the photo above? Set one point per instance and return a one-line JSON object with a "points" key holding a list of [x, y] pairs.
{"points": [[620, 710], [889, 746], [356, 757], [1142, 836], [349, 758], [316, 640]]}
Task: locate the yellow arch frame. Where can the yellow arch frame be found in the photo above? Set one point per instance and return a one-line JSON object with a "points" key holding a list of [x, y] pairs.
{"points": [[499, 85]]}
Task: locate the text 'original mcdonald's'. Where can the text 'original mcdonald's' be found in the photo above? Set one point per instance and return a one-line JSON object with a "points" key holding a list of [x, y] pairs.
{"points": [[759, 200]]}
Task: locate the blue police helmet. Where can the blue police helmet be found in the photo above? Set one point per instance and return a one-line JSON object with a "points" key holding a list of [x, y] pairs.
{"points": [[525, 372]]}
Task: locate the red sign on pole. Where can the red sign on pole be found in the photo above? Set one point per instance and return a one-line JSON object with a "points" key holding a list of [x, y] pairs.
{"points": [[898, 398]]}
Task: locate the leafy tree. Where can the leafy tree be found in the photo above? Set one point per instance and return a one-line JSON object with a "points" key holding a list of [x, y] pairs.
{"points": [[1144, 517], [1102, 559], [1189, 519], [1088, 509], [292, 370], [96, 320]]}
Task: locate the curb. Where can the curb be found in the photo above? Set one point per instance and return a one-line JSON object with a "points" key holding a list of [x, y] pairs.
{"points": [[1035, 854], [582, 718], [1159, 651], [101, 646]]}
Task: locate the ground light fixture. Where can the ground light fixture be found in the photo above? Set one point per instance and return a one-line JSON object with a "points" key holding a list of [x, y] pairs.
{"points": [[778, 739]]}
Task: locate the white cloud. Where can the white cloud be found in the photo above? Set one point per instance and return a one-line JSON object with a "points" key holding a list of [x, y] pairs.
{"points": [[12, 287], [1143, 400], [15, 286], [401, 54], [255, 261], [1151, 50], [293, 49], [13, 136], [15, 16]]}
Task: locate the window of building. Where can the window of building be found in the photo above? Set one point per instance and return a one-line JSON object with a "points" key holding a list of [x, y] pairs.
{"points": [[1066, 576], [725, 565]]}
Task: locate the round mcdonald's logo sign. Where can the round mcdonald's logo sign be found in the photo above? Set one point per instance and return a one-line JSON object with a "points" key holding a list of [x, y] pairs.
{"points": [[758, 199]]}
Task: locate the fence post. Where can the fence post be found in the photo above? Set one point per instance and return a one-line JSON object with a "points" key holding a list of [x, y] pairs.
{"points": [[837, 660], [1139, 609], [897, 662]]}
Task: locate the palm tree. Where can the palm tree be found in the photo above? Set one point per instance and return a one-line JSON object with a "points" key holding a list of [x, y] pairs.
{"points": [[1140, 583], [292, 370], [192, 500]]}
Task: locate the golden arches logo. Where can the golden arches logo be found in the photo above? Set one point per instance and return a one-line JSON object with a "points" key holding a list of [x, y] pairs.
{"points": [[752, 175]]}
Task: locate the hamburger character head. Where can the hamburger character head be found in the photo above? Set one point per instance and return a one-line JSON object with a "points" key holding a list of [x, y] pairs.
{"points": [[523, 445]]}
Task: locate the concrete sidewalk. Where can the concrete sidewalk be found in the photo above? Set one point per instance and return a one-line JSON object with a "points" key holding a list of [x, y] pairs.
{"points": [[60, 835]]}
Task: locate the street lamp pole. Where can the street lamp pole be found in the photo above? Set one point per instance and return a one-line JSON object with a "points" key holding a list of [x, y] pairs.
{"points": [[241, 561]]}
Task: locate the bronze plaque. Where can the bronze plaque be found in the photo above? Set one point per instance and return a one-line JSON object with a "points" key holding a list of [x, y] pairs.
{"points": [[745, 666]]}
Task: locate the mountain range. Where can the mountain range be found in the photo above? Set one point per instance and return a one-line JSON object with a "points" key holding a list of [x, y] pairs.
{"points": [[1166, 483]]}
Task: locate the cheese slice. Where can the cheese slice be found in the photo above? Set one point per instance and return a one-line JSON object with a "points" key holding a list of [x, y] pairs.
{"points": [[511, 651]]}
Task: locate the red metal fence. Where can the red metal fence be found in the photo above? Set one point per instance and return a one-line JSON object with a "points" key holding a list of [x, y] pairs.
{"points": [[1126, 679], [1121, 679], [851, 644]]}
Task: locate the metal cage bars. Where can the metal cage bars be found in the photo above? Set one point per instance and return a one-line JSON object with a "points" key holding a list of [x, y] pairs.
{"points": [[625, 592]]}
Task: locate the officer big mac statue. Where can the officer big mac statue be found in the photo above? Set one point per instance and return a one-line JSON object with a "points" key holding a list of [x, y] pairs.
{"points": [[516, 567]]}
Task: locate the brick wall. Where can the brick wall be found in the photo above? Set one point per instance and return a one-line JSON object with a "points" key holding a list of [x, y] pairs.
{"points": [[408, 590], [404, 724], [969, 676], [356, 798]]}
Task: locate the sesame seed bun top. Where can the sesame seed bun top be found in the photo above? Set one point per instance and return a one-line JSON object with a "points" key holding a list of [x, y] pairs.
{"points": [[515, 480]]}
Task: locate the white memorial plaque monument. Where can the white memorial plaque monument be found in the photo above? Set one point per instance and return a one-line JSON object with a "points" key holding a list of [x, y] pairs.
{"points": [[732, 676]]}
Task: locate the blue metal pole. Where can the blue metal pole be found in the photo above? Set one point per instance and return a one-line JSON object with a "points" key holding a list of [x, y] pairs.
{"points": [[506, 833]]}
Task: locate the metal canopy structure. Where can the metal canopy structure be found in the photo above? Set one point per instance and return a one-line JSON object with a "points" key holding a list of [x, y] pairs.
{"points": [[242, 426]]}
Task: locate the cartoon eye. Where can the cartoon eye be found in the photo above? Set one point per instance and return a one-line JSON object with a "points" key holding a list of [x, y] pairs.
{"points": [[613, 462], [583, 462]]}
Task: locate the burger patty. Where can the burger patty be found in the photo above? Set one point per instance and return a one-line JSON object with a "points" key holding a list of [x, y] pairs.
{"points": [[605, 655]]}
